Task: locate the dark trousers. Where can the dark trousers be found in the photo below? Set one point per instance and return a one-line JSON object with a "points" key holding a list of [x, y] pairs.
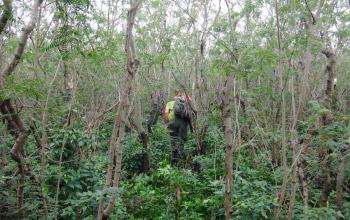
{"points": [[178, 131]]}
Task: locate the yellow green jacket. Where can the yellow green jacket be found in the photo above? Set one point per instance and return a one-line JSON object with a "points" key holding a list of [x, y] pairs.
{"points": [[169, 110]]}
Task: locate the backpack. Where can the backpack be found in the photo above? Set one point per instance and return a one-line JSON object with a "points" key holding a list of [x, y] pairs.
{"points": [[181, 108]]}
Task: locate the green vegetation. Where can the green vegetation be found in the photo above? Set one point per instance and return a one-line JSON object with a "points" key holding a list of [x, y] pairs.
{"points": [[83, 91]]}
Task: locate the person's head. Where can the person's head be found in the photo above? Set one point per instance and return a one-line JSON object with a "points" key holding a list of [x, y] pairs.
{"points": [[177, 94]]}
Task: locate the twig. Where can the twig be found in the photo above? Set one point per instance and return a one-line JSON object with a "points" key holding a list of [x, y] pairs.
{"points": [[312, 14], [94, 120]]}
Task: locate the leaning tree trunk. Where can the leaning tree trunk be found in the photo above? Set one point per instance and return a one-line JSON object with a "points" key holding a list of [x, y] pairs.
{"points": [[116, 144], [226, 101]]}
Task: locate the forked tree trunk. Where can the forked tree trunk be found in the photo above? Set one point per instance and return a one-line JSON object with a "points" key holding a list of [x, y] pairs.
{"points": [[226, 102], [116, 145]]}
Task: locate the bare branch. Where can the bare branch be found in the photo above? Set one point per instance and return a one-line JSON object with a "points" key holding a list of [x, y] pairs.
{"points": [[9, 68], [312, 14]]}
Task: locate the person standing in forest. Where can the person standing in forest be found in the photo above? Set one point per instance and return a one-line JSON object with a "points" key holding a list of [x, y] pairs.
{"points": [[177, 118]]}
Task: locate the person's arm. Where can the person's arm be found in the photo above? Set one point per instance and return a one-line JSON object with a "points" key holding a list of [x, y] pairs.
{"points": [[166, 114]]}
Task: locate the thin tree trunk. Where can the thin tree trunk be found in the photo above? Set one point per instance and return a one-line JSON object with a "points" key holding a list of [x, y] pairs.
{"points": [[282, 192], [330, 81], [227, 120], [3, 149], [143, 136], [67, 125], [311, 27], [157, 105], [303, 178], [67, 75], [59, 170], [294, 144], [294, 176], [116, 146], [339, 186], [17, 155], [44, 141], [327, 119]]}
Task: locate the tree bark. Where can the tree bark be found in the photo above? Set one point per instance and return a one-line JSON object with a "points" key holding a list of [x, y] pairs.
{"points": [[282, 192], [294, 145], [157, 100], [327, 119], [116, 146], [143, 136], [303, 178], [3, 149], [339, 185], [311, 28], [330, 81], [226, 102]]}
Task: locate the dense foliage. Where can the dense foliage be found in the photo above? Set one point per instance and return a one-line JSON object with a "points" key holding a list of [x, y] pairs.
{"points": [[67, 90]]}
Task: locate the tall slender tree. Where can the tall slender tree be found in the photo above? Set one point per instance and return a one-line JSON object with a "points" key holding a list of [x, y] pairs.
{"points": [[116, 144]]}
